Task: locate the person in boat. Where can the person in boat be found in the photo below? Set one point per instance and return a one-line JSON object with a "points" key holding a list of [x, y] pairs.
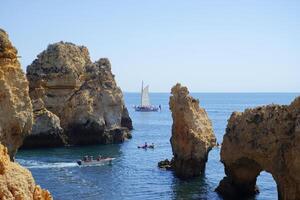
{"points": [[85, 158], [89, 158], [159, 107], [151, 146], [146, 145], [99, 158]]}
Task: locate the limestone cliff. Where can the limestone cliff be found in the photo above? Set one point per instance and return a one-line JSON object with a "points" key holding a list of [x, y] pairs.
{"points": [[15, 105], [84, 95], [16, 182], [192, 133], [267, 139]]}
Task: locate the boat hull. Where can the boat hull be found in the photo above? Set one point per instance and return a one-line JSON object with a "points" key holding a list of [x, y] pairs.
{"points": [[95, 162], [148, 147], [146, 109]]}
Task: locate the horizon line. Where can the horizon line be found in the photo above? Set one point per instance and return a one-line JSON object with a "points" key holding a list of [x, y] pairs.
{"points": [[267, 92]]}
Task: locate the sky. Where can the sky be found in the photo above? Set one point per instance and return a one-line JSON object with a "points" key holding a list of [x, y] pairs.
{"points": [[208, 46]]}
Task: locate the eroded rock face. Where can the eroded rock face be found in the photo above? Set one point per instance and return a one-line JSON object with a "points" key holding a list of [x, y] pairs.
{"points": [[15, 105], [192, 134], [262, 139], [16, 182], [46, 131], [84, 95], [126, 120]]}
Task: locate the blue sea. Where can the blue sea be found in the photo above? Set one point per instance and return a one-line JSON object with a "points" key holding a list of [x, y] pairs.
{"points": [[134, 173]]}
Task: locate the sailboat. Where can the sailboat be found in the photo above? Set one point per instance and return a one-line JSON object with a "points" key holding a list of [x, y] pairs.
{"points": [[145, 101]]}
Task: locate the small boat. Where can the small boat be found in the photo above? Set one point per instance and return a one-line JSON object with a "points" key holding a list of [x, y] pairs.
{"points": [[145, 102], [146, 147], [95, 162]]}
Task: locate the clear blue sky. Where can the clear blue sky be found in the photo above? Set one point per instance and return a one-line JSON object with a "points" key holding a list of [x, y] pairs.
{"points": [[210, 46]]}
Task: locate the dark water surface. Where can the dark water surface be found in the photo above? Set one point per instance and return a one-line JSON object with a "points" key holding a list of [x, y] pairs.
{"points": [[134, 173]]}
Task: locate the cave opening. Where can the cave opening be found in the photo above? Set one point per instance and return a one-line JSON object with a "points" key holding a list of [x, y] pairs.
{"points": [[267, 187]]}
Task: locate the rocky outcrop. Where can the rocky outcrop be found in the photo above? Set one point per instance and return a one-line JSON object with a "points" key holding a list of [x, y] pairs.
{"points": [[126, 120], [46, 131], [16, 182], [15, 105], [165, 164], [267, 139], [84, 95], [192, 134]]}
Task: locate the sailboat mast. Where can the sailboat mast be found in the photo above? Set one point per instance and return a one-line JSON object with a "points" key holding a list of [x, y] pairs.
{"points": [[142, 93]]}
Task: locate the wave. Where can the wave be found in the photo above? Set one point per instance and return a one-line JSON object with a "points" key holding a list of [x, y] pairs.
{"points": [[33, 164]]}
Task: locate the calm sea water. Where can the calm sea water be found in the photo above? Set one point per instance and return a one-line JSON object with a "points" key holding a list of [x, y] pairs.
{"points": [[134, 173]]}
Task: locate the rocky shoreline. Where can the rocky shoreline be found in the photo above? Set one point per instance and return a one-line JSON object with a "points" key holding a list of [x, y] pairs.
{"points": [[66, 99]]}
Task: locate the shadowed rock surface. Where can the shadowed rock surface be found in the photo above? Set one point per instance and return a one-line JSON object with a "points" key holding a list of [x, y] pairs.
{"points": [[84, 95], [46, 131], [267, 139], [15, 106], [126, 120], [192, 134]]}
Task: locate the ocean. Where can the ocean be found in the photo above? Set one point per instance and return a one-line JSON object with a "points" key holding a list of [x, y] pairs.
{"points": [[134, 173]]}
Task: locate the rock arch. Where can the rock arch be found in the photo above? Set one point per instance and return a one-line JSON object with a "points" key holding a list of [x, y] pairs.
{"points": [[267, 186], [267, 139]]}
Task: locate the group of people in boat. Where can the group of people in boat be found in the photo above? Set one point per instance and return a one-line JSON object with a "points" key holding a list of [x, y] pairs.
{"points": [[147, 108], [87, 158], [91, 158], [145, 146]]}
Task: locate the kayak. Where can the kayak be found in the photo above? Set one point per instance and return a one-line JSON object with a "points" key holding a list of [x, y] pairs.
{"points": [[146, 147], [95, 162]]}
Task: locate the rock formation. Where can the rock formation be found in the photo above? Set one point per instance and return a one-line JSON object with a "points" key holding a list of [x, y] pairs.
{"points": [[16, 182], [126, 120], [82, 94], [267, 139], [165, 164], [192, 134], [15, 105], [46, 131]]}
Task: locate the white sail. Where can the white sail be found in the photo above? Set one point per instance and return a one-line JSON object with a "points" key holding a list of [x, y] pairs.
{"points": [[145, 96]]}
